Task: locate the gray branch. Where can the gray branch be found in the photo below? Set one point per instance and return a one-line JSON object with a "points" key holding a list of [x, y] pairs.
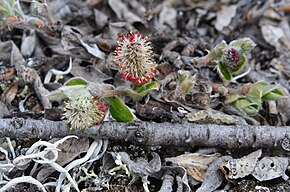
{"points": [[157, 134]]}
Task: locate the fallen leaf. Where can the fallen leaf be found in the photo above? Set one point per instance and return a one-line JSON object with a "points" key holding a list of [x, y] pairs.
{"points": [[90, 73], [93, 50], [272, 34], [28, 42], [122, 11], [195, 164], [270, 168], [9, 94], [224, 16], [239, 168], [213, 177]]}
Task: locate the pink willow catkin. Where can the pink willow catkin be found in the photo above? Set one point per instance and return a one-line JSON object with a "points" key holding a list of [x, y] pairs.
{"points": [[134, 57]]}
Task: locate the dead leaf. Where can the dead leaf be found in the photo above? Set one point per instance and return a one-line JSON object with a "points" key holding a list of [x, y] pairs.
{"points": [[195, 164], [100, 18], [270, 168], [72, 40], [90, 73], [138, 168], [28, 75], [283, 106], [224, 16], [93, 50], [167, 16], [28, 42], [239, 168], [122, 11], [67, 11], [179, 173], [272, 34], [3, 110], [9, 94], [213, 177]]}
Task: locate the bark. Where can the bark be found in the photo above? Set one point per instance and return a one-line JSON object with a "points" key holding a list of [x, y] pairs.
{"points": [[156, 134]]}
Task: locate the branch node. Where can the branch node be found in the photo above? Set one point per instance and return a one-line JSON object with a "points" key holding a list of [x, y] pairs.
{"points": [[17, 123], [137, 132], [286, 142]]}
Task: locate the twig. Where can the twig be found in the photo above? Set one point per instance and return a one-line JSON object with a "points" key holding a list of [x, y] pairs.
{"points": [[156, 134]]}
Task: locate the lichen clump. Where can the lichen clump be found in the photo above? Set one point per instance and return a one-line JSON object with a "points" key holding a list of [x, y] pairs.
{"points": [[83, 112], [134, 57]]}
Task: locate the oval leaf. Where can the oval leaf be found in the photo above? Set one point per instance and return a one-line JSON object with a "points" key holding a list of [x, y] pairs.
{"points": [[75, 91], [249, 107], [76, 81], [274, 95], [245, 43], [119, 110], [57, 95]]}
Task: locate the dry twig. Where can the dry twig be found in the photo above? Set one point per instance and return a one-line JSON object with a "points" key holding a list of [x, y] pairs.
{"points": [[157, 134]]}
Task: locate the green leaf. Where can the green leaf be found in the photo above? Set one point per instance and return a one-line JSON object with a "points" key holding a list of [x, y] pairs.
{"points": [[146, 87], [223, 71], [56, 95], [270, 88], [125, 91], [246, 44], [251, 110], [216, 52], [68, 92], [119, 110], [249, 107], [232, 97], [183, 75], [274, 95], [255, 93], [263, 91], [138, 93], [186, 86], [75, 91], [76, 81]]}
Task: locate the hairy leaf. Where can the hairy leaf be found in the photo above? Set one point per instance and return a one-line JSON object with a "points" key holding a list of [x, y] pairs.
{"points": [[246, 44], [249, 107], [216, 52], [274, 95]]}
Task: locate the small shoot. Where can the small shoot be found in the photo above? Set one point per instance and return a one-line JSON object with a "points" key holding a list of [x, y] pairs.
{"points": [[231, 58], [251, 102], [187, 81]]}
